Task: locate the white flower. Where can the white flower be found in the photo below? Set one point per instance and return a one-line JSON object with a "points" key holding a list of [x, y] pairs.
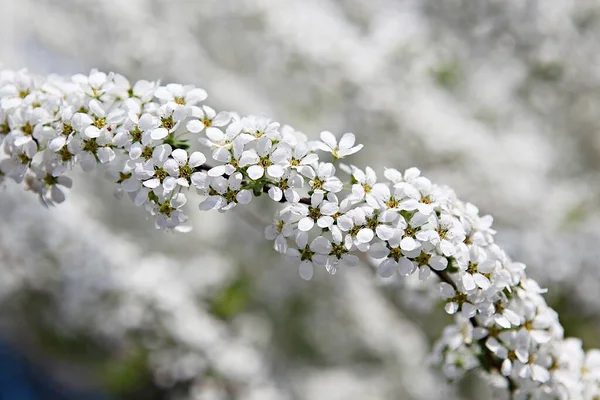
{"points": [[340, 254], [95, 84], [221, 143], [362, 189], [286, 187], [513, 348], [259, 126], [142, 90], [474, 266], [456, 301], [16, 166], [262, 160], [308, 255], [171, 115], [180, 95], [181, 169], [49, 189], [319, 212], [393, 260], [207, 118], [324, 180], [226, 193], [279, 231], [303, 159], [152, 171], [234, 158], [444, 232], [170, 215], [138, 134], [345, 147]]}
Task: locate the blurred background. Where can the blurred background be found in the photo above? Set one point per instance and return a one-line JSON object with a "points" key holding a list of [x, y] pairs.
{"points": [[499, 100]]}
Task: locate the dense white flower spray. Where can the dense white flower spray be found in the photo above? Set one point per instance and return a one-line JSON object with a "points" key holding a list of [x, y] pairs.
{"points": [[139, 136]]}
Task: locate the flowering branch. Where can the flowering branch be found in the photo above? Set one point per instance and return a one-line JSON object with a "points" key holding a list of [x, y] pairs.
{"points": [[138, 135]]}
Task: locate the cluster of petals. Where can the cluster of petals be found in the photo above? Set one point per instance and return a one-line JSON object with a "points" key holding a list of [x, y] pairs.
{"points": [[332, 214]]}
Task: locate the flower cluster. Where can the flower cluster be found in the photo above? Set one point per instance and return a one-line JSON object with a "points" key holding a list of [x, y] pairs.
{"points": [[139, 135]]}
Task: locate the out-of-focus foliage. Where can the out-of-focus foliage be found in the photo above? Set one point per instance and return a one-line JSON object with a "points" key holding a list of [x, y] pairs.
{"points": [[497, 99]]}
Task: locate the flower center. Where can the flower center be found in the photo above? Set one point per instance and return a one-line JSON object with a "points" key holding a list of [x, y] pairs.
{"points": [[91, 146], [185, 171], [314, 213], [307, 254], [99, 123], [168, 122], [123, 177], [166, 208], [160, 173], [423, 258], [50, 180], [395, 253], [27, 129], [136, 135], [67, 130], [147, 153]]}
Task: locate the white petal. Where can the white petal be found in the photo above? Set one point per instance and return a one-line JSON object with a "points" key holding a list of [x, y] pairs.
{"points": [[347, 141], [275, 193], [256, 172], [384, 232], [325, 221], [210, 203], [320, 245], [221, 154], [276, 171], [159, 133], [306, 224], [365, 235], [405, 266], [539, 373], [57, 143], [446, 290], [96, 108], [180, 156], [451, 308], [92, 132], [105, 154], [215, 134], [329, 139], [219, 170], [152, 183], [408, 244], [512, 317], [196, 159], [379, 250], [194, 126], [56, 194], [178, 200], [146, 122], [438, 263], [468, 282], [306, 270], [244, 197], [163, 93], [221, 119], [424, 272], [506, 368], [387, 268], [468, 310], [169, 183], [195, 96], [248, 157], [482, 281]]}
